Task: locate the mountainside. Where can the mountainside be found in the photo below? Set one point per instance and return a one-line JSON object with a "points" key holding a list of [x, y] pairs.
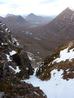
{"points": [[48, 37], [15, 66], [20, 26], [23, 71], [15, 23], [37, 20], [62, 59], [12, 55], [58, 31], [56, 73], [42, 40]]}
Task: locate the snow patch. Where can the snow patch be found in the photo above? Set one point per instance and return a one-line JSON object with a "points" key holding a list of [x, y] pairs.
{"points": [[4, 44], [8, 57], [36, 93], [17, 70], [6, 29], [12, 52], [28, 33], [65, 55], [15, 41]]}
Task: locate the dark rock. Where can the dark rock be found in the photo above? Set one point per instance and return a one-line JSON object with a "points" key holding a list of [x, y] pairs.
{"points": [[7, 44], [10, 85], [22, 90], [22, 60]]}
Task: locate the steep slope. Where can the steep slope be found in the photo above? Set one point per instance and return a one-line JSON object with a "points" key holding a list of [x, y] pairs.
{"points": [[11, 51], [56, 87], [63, 59], [14, 66], [58, 31], [56, 73]]}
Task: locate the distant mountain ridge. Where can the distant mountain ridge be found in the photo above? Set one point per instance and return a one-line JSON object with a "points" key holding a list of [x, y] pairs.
{"points": [[58, 31], [16, 23], [38, 20]]}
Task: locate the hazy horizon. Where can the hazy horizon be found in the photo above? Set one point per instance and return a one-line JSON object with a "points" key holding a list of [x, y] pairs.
{"points": [[38, 7]]}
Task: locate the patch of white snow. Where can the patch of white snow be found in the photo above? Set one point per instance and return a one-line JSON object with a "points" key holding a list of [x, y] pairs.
{"points": [[17, 70], [56, 87], [65, 55], [12, 52], [8, 57]]}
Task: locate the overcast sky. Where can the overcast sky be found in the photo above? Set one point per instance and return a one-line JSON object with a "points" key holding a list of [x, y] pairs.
{"points": [[39, 7]]}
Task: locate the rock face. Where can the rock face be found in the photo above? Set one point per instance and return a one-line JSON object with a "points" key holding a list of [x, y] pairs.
{"points": [[11, 52], [14, 66], [63, 59], [20, 90]]}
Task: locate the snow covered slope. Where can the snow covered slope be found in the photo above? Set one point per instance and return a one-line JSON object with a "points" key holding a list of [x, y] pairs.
{"points": [[56, 87]]}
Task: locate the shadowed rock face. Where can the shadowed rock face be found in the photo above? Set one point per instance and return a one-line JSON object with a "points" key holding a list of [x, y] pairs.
{"points": [[14, 66], [9, 45]]}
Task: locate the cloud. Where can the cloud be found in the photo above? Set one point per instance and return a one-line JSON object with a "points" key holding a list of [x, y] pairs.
{"points": [[41, 7], [48, 1], [2, 2]]}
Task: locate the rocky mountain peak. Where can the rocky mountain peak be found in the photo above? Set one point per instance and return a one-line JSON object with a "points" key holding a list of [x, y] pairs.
{"points": [[66, 15], [31, 15], [67, 10]]}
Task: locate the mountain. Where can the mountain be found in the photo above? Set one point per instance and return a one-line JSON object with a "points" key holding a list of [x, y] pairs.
{"points": [[37, 20], [17, 18], [19, 27], [42, 40], [58, 31], [16, 23]]}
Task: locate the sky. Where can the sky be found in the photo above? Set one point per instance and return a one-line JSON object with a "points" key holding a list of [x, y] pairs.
{"points": [[38, 7]]}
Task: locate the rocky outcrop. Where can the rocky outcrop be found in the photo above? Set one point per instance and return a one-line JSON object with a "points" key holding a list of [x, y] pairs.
{"points": [[11, 53], [20, 90], [14, 66]]}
